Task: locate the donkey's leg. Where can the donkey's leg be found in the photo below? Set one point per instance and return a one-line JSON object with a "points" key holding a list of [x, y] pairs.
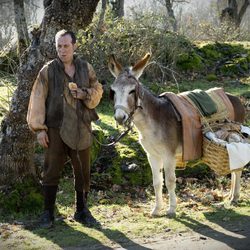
{"points": [[156, 166], [170, 179], [235, 186]]}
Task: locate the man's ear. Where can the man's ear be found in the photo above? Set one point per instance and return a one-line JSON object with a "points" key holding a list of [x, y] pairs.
{"points": [[75, 46]]}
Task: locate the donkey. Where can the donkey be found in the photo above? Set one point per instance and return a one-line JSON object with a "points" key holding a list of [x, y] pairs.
{"points": [[160, 132]]}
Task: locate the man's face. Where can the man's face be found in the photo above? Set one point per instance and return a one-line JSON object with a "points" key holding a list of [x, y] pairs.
{"points": [[65, 48]]}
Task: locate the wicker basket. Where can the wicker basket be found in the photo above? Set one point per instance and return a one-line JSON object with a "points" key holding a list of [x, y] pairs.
{"points": [[179, 163], [215, 156]]}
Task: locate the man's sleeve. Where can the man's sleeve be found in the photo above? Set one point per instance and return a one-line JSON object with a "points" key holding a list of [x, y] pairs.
{"points": [[36, 109], [95, 91]]}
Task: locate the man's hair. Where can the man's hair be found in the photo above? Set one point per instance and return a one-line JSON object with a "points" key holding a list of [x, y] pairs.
{"points": [[61, 33]]}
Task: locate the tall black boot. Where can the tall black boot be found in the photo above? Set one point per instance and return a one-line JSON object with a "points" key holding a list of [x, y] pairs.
{"points": [[86, 196], [82, 214], [47, 218], [79, 201]]}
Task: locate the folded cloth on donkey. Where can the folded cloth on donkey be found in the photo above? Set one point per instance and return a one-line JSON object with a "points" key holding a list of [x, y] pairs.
{"points": [[191, 126], [225, 109], [219, 92], [202, 101]]}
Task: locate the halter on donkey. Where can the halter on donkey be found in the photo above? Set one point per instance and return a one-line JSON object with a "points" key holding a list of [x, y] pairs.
{"points": [[160, 131]]}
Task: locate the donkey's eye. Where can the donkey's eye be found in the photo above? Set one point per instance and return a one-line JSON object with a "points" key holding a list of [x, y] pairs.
{"points": [[132, 92]]}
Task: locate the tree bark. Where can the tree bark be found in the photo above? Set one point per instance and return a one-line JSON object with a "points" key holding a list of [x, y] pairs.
{"points": [[17, 144], [21, 26]]}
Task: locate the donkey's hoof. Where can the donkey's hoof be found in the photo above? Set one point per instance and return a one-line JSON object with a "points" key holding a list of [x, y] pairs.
{"points": [[171, 215], [234, 202], [155, 212]]}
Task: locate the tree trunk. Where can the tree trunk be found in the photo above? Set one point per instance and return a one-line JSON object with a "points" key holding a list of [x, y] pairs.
{"points": [[233, 14], [242, 11], [17, 144], [121, 8], [100, 25], [169, 6], [117, 8], [6, 21], [102, 15], [21, 26]]}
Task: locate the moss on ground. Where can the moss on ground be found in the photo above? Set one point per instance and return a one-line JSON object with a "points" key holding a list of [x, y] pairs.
{"points": [[21, 198]]}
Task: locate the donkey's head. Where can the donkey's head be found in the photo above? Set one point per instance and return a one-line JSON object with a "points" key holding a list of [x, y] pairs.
{"points": [[126, 91]]}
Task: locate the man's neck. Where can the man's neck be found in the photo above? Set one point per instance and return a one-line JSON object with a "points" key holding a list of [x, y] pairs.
{"points": [[69, 69], [68, 64]]}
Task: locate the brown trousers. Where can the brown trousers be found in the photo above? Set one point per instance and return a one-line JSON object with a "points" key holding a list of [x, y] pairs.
{"points": [[55, 158]]}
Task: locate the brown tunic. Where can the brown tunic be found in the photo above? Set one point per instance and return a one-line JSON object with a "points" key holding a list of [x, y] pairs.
{"points": [[36, 116]]}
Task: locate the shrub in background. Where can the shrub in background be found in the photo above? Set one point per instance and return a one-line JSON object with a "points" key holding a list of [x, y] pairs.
{"points": [[129, 40], [173, 55]]}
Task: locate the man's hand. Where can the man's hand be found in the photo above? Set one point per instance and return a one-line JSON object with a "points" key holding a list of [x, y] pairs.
{"points": [[43, 139], [79, 94]]}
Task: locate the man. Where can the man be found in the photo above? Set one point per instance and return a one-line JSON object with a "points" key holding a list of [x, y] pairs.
{"points": [[60, 112]]}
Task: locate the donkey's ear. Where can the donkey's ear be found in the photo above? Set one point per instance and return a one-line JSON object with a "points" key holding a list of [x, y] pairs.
{"points": [[114, 66], [140, 65]]}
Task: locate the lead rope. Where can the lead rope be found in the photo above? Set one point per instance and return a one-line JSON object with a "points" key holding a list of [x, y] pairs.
{"points": [[128, 125], [124, 133]]}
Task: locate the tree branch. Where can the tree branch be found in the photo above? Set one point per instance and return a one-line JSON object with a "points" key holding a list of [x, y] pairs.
{"points": [[243, 10]]}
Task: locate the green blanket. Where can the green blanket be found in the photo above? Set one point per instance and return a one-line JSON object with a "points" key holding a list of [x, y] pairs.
{"points": [[203, 102]]}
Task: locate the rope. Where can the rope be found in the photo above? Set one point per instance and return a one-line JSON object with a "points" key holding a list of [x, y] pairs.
{"points": [[124, 133]]}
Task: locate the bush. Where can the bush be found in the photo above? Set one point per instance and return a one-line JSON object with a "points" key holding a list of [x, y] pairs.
{"points": [[189, 61], [129, 40], [211, 77], [223, 59]]}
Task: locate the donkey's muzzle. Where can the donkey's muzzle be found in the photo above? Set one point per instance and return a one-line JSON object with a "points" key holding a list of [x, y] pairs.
{"points": [[120, 119], [121, 114]]}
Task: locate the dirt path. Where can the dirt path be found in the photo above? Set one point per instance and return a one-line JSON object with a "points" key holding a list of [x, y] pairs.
{"points": [[233, 236], [195, 241]]}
